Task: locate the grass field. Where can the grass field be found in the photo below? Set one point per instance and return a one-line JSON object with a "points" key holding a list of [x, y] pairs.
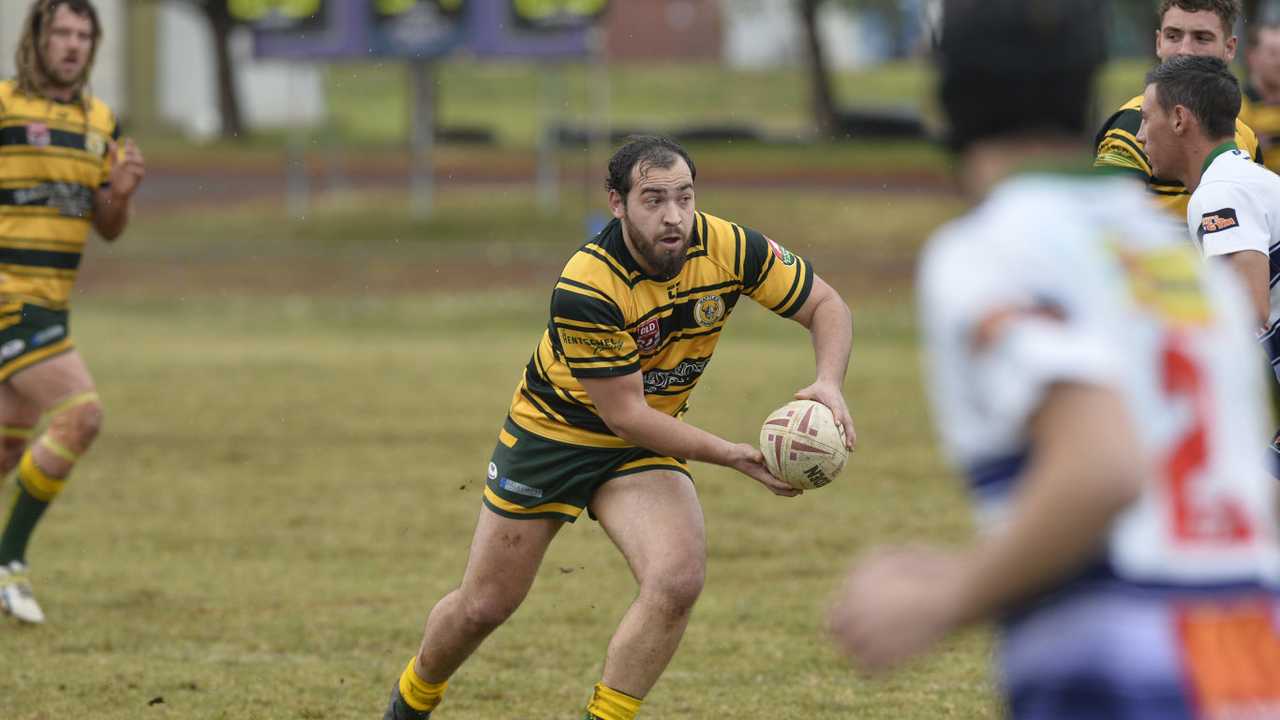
{"points": [[298, 418]]}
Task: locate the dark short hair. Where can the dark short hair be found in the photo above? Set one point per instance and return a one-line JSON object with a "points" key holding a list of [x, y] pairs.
{"points": [[1228, 11], [653, 150], [1203, 85], [1012, 68]]}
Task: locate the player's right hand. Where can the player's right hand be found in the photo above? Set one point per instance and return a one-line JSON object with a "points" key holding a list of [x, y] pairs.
{"points": [[748, 460]]}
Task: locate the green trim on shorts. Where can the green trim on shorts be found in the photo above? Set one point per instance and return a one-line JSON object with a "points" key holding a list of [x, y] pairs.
{"points": [[530, 476]]}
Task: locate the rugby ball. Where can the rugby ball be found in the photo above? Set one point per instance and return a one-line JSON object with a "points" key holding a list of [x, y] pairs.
{"points": [[803, 445]]}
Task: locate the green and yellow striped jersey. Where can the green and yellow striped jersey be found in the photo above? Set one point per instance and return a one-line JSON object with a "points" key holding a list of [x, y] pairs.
{"points": [[1116, 147], [608, 318], [1264, 118], [53, 157]]}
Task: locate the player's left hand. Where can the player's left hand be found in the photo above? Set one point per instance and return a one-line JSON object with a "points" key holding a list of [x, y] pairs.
{"points": [[894, 605], [830, 395], [128, 167]]}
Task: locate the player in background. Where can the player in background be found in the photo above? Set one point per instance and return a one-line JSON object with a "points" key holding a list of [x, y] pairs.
{"points": [[1261, 107], [1096, 382], [1188, 113], [61, 174], [1187, 27], [595, 423]]}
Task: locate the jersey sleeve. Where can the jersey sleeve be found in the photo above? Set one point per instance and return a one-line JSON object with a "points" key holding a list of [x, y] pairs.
{"points": [[587, 330], [1116, 147], [1227, 219], [774, 276], [1009, 332]]}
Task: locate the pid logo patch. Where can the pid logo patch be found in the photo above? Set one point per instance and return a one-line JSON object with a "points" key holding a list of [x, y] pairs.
{"points": [[648, 335]]}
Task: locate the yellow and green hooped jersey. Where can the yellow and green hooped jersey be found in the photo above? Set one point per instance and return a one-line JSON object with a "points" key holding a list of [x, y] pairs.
{"points": [[53, 157], [608, 318], [1116, 148]]}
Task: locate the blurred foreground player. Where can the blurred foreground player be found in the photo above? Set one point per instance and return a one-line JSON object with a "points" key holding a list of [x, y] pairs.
{"points": [[1096, 383]]}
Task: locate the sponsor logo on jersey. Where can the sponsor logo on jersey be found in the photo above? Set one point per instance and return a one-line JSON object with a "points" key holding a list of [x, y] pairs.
{"points": [[1218, 220], [11, 349], [38, 135], [493, 471], [597, 344], [69, 199], [683, 374], [519, 488], [648, 335], [781, 253], [95, 144], [708, 310]]}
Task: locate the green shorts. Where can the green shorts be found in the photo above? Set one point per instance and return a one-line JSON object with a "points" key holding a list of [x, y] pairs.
{"points": [[533, 477], [30, 334]]}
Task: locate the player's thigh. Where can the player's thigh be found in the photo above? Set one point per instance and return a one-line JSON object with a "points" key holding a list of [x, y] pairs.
{"points": [[49, 382], [17, 411], [506, 553], [655, 519]]}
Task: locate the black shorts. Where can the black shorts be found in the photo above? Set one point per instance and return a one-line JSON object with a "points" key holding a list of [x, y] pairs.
{"points": [[30, 334], [532, 477]]}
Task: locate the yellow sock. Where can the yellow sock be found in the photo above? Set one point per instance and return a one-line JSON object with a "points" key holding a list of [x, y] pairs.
{"points": [[418, 693], [609, 704]]}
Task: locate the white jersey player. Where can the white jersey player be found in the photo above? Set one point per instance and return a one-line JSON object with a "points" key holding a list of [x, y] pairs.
{"points": [[1236, 209], [1096, 383], [1189, 111]]}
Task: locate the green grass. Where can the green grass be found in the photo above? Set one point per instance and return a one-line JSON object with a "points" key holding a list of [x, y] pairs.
{"points": [[290, 473]]}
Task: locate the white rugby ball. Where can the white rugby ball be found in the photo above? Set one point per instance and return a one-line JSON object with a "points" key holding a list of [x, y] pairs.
{"points": [[803, 445]]}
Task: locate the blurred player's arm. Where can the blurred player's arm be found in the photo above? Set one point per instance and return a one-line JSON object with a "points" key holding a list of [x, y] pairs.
{"points": [[621, 404], [827, 318], [111, 202], [1085, 468]]}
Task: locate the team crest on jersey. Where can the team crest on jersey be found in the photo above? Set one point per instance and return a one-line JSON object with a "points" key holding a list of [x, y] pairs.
{"points": [[1218, 220], [38, 135], [95, 144], [780, 252], [648, 335], [708, 310]]}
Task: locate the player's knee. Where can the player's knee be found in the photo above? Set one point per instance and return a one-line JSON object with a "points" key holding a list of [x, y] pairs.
{"points": [[79, 426], [487, 611], [676, 589]]}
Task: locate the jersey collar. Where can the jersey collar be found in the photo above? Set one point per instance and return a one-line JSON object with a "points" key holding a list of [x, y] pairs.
{"points": [[1225, 147]]}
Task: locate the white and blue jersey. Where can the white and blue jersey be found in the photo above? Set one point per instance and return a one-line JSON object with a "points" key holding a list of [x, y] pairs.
{"points": [[1237, 208], [1055, 279]]}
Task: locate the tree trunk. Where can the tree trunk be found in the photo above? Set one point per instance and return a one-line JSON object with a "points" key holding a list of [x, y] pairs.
{"points": [[823, 102], [228, 94]]}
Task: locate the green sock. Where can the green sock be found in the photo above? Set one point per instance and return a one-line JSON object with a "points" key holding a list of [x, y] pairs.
{"points": [[23, 517]]}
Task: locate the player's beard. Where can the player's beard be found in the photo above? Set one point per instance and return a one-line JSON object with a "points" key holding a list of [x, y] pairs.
{"points": [[666, 262], [58, 76]]}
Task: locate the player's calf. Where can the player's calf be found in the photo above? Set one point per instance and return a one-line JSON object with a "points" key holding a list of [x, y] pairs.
{"points": [[13, 443]]}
